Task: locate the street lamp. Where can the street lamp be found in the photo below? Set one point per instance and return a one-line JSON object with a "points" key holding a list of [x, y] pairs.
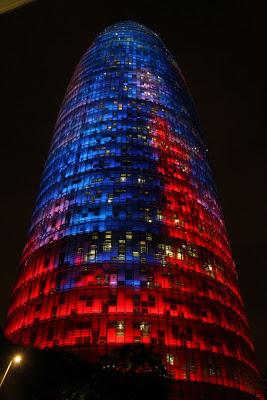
{"points": [[15, 360]]}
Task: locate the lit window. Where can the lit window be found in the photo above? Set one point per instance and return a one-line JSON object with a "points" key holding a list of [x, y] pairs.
{"points": [[170, 359], [107, 246], [120, 328], [145, 328], [129, 235], [180, 255], [110, 197]]}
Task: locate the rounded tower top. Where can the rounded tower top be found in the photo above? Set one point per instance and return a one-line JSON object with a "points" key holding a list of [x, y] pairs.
{"points": [[133, 30], [128, 26]]}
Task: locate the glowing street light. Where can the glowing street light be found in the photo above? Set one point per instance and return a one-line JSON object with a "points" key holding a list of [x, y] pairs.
{"points": [[15, 360]]}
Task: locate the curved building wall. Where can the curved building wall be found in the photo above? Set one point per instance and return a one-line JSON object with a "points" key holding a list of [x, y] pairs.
{"points": [[127, 242]]}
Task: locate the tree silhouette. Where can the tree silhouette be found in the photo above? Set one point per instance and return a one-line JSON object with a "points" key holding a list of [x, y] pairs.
{"points": [[135, 360], [131, 371]]}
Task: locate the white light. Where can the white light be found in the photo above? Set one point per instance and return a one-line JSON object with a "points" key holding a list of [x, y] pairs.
{"points": [[17, 359]]}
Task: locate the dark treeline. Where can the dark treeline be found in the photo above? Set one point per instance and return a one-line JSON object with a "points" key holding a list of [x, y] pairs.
{"points": [[132, 372]]}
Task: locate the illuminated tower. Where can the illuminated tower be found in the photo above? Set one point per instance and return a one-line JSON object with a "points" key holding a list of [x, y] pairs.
{"points": [[127, 242]]}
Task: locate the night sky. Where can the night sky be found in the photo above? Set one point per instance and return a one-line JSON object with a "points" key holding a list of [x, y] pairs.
{"points": [[221, 49]]}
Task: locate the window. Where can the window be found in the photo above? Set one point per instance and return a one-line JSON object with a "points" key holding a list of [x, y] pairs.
{"points": [[145, 328], [170, 359], [120, 328]]}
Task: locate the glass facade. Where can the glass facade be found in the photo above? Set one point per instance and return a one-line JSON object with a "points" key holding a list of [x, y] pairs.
{"points": [[127, 242]]}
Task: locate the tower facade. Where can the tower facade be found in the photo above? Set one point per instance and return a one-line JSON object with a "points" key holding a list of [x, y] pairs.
{"points": [[127, 242]]}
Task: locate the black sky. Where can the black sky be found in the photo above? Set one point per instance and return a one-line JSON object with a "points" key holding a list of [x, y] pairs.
{"points": [[221, 49]]}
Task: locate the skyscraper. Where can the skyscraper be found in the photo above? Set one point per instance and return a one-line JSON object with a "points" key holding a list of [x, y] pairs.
{"points": [[127, 242]]}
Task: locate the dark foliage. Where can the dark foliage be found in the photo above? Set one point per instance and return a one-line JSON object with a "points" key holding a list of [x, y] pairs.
{"points": [[132, 372], [111, 386], [135, 360]]}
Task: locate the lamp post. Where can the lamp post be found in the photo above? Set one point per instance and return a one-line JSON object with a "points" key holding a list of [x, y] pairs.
{"points": [[15, 360]]}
